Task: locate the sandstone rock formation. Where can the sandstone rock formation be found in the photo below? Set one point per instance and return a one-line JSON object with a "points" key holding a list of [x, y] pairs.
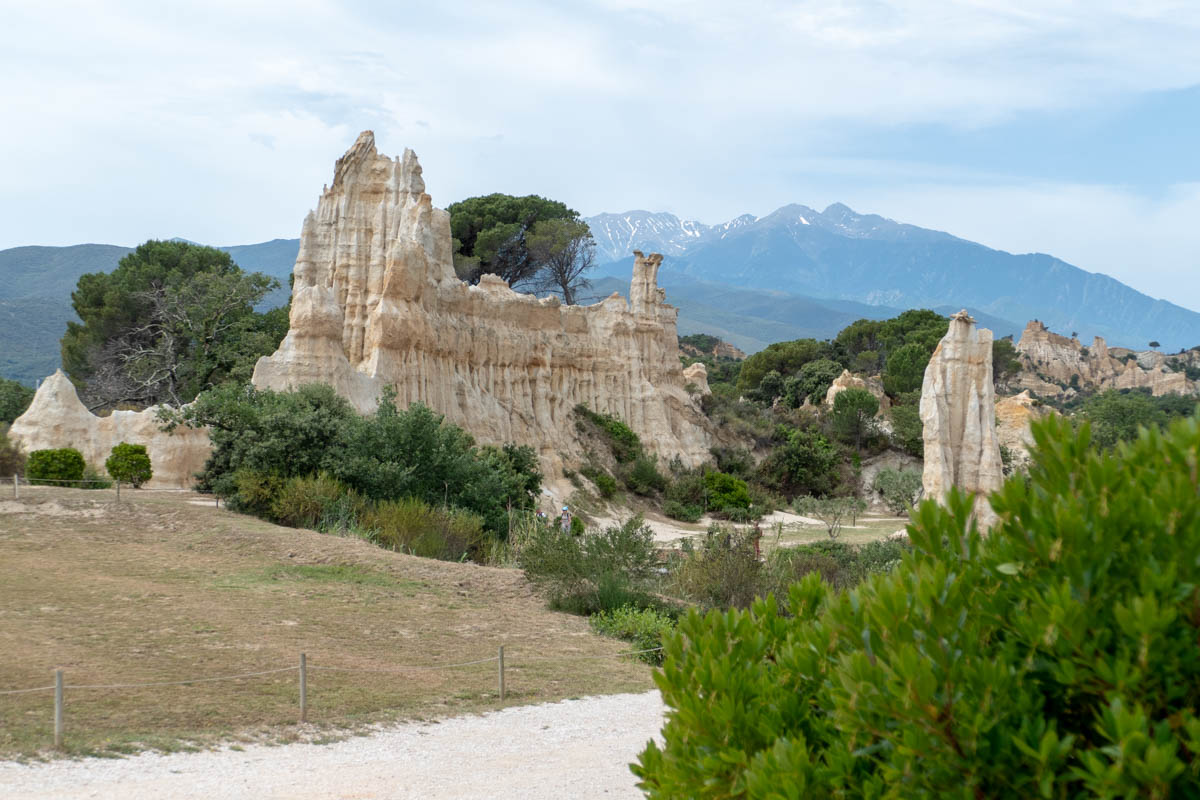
{"points": [[959, 415], [375, 302], [847, 380], [57, 418], [697, 375], [1014, 415], [1052, 362]]}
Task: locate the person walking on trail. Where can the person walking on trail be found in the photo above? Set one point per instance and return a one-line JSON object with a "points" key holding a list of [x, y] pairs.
{"points": [[566, 520]]}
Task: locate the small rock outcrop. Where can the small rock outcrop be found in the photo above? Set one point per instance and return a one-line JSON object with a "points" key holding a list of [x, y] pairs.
{"points": [[1055, 365], [1014, 415], [848, 380], [375, 302], [56, 418], [958, 411]]}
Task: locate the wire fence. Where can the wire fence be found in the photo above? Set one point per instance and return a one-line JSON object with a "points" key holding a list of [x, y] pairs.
{"points": [[302, 668]]}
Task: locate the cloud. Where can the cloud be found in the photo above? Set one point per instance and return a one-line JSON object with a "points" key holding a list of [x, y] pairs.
{"points": [[219, 121]]}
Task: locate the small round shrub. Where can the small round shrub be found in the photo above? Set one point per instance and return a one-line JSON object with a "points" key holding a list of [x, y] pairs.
{"points": [[129, 463], [682, 512], [725, 492], [55, 467]]}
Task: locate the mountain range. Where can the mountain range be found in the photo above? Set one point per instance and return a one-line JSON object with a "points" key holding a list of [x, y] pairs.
{"points": [[839, 254], [796, 272]]}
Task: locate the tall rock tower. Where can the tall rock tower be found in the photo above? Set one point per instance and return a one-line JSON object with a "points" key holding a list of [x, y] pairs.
{"points": [[958, 411]]}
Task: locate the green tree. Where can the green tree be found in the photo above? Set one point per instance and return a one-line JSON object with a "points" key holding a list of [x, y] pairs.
{"points": [[786, 358], [1116, 416], [900, 488], [906, 368], [14, 399], [803, 461], [1005, 363], [490, 235], [1054, 657], [854, 415], [812, 382], [908, 432], [129, 463], [170, 321], [563, 250], [831, 511]]}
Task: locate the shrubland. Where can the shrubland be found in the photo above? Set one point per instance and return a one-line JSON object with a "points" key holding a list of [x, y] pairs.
{"points": [[1055, 657]]}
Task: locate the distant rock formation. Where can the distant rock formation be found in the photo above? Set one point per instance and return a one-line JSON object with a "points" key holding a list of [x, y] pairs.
{"points": [[958, 411], [848, 380], [1055, 366], [57, 418], [375, 302], [697, 375]]}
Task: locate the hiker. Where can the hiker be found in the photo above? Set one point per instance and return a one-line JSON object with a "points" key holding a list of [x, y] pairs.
{"points": [[566, 520]]}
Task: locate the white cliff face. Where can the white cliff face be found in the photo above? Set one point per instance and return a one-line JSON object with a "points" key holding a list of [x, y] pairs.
{"points": [[56, 418], [958, 411], [376, 302]]}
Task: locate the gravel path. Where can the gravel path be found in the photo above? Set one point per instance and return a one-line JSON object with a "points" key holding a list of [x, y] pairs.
{"points": [[575, 748]]}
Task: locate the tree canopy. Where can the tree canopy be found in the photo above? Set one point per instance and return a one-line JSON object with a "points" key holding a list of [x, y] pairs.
{"points": [[490, 235], [14, 399], [171, 320]]}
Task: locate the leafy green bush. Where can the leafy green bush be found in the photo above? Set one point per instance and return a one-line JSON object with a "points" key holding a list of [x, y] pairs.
{"points": [[908, 432], [605, 484], [412, 526], [94, 479], [804, 461], [12, 460], [55, 467], [725, 492], [722, 572], [129, 463], [644, 477], [595, 571], [684, 513], [1056, 657], [900, 488], [253, 492], [304, 501], [389, 454], [645, 628], [624, 443]]}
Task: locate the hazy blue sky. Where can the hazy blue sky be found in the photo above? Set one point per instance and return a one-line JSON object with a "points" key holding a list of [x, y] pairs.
{"points": [[1068, 127]]}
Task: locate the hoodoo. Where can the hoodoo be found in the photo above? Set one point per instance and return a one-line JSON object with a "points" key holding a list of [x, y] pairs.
{"points": [[376, 302], [958, 411]]}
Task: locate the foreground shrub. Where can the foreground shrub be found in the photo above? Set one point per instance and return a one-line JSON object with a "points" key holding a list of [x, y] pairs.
{"points": [[723, 571], [129, 463], [412, 526], [725, 492], [1054, 658], [94, 479], [643, 628], [57, 467], [593, 572], [304, 502]]}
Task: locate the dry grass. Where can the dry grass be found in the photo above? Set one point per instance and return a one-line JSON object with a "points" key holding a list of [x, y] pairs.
{"points": [[161, 588]]}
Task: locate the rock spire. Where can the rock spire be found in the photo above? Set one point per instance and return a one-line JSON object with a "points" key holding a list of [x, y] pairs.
{"points": [[958, 411], [376, 302]]}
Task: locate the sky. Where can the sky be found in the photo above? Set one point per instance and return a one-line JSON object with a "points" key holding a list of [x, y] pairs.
{"points": [[1067, 127]]}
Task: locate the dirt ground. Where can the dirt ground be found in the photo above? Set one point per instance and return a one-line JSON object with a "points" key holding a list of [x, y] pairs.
{"points": [[163, 586]]}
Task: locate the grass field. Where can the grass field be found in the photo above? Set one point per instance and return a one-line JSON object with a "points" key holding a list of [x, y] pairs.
{"points": [[164, 587]]}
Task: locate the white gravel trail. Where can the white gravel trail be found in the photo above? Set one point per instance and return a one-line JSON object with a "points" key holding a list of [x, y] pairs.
{"points": [[574, 748]]}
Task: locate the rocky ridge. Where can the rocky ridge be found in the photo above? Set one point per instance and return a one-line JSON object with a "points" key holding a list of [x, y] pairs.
{"points": [[1058, 366], [375, 302]]}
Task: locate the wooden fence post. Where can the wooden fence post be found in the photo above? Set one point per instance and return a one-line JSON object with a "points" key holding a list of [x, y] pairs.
{"points": [[303, 688], [58, 709], [16, 490], [501, 673]]}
